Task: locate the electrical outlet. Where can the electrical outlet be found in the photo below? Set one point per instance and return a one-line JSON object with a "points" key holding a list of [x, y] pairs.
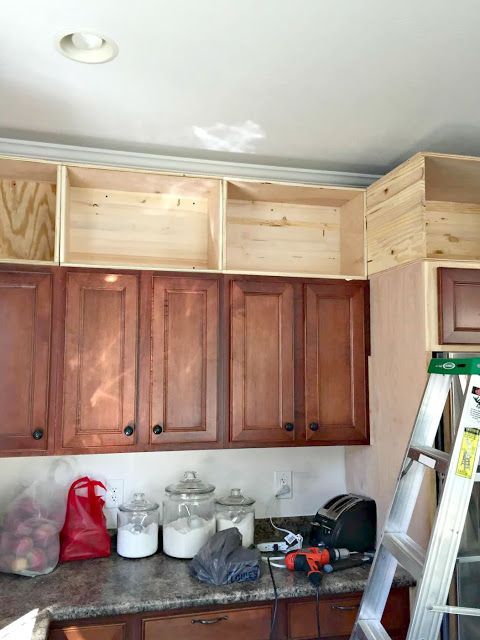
{"points": [[114, 495], [282, 480]]}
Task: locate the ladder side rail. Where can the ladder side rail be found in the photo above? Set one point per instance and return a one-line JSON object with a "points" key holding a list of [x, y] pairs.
{"points": [[406, 492], [448, 526]]}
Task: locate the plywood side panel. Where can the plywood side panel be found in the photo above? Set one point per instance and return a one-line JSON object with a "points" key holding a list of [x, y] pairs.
{"points": [[273, 236], [137, 228], [398, 367], [27, 220], [215, 229], [452, 178], [11, 169], [352, 237], [453, 230]]}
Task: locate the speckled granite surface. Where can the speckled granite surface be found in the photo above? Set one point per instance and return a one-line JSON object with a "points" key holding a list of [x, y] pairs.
{"points": [[111, 586]]}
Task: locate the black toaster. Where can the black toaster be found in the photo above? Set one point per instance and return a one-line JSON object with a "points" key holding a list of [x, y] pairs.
{"points": [[347, 521]]}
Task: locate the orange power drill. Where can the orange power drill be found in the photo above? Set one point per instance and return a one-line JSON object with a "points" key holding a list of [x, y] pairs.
{"points": [[312, 560]]}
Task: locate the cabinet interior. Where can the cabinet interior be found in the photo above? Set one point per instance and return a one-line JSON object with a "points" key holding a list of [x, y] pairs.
{"points": [[133, 218], [294, 229], [28, 197], [452, 207]]}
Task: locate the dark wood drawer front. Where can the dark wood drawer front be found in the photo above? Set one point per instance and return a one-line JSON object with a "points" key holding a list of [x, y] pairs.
{"points": [[459, 306], [252, 623], [337, 616], [91, 632]]}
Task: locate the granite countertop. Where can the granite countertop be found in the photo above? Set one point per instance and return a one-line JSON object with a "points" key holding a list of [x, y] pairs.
{"points": [[115, 586]]}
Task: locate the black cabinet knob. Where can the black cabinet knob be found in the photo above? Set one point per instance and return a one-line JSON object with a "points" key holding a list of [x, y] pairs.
{"points": [[314, 426], [129, 429], [157, 429], [37, 434], [289, 426]]}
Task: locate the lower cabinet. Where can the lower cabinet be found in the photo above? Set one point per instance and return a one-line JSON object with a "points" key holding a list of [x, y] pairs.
{"points": [[121, 629], [296, 620]]}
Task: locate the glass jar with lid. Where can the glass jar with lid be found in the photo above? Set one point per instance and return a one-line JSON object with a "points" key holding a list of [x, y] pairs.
{"points": [[188, 516], [237, 510], [137, 533]]}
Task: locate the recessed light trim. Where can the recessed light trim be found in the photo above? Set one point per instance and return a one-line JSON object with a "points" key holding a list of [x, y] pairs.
{"points": [[87, 47]]}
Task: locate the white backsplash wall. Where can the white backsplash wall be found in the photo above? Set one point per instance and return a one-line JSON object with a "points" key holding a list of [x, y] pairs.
{"points": [[318, 474]]}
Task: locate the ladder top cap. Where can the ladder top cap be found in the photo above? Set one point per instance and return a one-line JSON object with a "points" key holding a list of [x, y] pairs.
{"points": [[454, 366]]}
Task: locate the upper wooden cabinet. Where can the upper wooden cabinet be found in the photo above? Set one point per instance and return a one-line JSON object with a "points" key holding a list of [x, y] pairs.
{"points": [[261, 362], [428, 207], [294, 229], [100, 361], [183, 359], [28, 211], [459, 306], [335, 362], [25, 345], [298, 362], [138, 219]]}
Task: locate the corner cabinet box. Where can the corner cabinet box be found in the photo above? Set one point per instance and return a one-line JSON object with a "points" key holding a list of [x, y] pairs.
{"points": [[125, 218], [292, 229], [428, 207], [28, 211]]}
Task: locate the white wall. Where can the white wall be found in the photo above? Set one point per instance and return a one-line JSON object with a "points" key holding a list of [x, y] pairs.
{"points": [[318, 474]]}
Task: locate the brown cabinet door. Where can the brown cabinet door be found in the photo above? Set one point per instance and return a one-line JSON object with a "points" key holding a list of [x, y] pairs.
{"points": [[91, 632], [100, 366], [459, 306], [183, 360], [252, 623], [25, 322], [335, 362], [338, 615], [262, 362]]}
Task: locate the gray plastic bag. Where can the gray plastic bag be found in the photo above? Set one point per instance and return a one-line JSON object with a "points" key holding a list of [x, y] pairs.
{"points": [[223, 560]]}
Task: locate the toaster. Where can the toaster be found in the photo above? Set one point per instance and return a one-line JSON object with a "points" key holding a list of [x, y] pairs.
{"points": [[346, 521]]}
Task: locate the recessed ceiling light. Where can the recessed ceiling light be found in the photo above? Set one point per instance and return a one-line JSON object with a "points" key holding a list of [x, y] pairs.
{"points": [[84, 46]]}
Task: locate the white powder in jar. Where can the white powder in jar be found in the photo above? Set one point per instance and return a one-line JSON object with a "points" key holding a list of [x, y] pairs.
{"points": [[135, 541], [183, 538], [245, 524]]}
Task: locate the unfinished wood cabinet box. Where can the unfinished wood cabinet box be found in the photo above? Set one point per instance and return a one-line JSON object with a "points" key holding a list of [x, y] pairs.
{"points": [[428, 207], [138, 219], [28, 211], [293, 229]]}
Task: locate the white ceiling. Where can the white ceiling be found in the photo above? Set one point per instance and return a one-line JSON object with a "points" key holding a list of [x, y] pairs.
{"points": [[354, 85]]}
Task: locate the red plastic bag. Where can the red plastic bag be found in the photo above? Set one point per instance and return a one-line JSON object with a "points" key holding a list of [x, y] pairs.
{"points": [[84, 534]]}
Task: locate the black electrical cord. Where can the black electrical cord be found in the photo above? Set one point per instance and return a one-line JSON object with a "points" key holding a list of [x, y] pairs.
{"points": [[275, 606], [318, 611]]}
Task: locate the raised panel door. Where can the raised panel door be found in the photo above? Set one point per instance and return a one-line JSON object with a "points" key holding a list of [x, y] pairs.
{"points": [[184, 360], [459, 306], [100, 360], [262, 362], [335, 363], [25, 338]]}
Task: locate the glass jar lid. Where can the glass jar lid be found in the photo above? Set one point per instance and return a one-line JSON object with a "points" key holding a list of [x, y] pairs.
{"points": [[139, 503], [190, 485], [236, 499]]}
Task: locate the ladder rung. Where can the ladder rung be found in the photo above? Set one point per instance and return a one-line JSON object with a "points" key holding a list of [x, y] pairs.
{"points": [[459, 611], [429, 457], [406, 551], [371, 630]]}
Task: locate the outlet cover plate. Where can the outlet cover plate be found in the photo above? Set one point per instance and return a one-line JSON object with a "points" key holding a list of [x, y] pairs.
{"points": [[282, 479], [114, 495]]}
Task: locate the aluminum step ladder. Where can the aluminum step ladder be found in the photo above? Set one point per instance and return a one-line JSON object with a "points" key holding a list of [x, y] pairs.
{"points": [[433, 569]]}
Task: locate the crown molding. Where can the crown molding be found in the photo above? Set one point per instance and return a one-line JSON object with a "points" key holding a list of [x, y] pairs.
{"points": [[127, 159]]}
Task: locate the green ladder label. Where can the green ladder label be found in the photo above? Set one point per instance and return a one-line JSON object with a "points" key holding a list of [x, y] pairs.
{"points": [[454, 366]]}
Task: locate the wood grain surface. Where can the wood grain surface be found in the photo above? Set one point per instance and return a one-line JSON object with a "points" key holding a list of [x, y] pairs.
{"points": [[27, 220]]}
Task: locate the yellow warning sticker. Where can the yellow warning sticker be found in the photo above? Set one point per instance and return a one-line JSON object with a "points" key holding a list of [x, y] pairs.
{"points": [[468, 452]]}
